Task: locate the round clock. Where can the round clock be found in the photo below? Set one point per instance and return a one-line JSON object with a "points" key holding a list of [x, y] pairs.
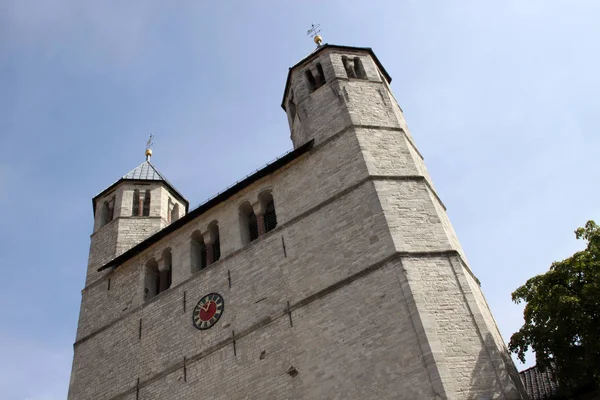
{"points": [[208, 311]]}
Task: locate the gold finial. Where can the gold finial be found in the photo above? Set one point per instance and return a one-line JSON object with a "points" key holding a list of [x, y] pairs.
{"points": [[149, 144], [314, 33]]}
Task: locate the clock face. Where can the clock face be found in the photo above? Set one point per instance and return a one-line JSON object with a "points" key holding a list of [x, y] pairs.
{"points": [[208, 311]]}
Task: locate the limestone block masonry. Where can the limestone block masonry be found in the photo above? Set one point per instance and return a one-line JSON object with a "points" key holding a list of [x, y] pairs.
{"points": [[361, 291]]}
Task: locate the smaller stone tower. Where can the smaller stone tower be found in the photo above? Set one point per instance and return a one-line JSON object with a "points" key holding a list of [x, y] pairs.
{"points": [[130, 210]]}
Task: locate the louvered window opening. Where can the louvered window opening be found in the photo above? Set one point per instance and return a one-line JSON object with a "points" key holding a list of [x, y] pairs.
{"points": [[252, 226], [270, 217], [202, 256], [216, 249]]}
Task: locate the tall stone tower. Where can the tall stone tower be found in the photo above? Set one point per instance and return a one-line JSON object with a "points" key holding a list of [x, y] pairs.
{"points": [[332, 273], [133, 208]]}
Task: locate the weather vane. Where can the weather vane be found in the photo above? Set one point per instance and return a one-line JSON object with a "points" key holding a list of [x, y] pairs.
{"points": [[149, 144], [313, 32]]}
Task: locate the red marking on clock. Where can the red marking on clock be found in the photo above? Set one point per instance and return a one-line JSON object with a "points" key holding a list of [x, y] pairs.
{"points": [[207, 311]]}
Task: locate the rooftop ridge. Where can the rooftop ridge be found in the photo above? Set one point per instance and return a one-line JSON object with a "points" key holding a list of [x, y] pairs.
{"points": [[269, 168], [242, 179]]}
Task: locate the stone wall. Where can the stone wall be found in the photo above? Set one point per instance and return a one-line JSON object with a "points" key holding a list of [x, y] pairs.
{"points": [[127, 230], [361, 291]]}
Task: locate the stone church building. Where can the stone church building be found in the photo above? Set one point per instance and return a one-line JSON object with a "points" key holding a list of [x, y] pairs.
{"points": [[331, 273]]}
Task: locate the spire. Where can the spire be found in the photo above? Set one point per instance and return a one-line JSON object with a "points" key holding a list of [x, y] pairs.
{"points": [[146, 171]]}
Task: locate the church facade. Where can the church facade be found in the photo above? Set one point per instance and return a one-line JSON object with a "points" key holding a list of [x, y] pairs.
{"points": [[332, 273]]}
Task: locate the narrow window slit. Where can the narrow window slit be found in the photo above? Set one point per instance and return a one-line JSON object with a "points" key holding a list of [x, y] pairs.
{"points": [[270, 217], [252, 226]]}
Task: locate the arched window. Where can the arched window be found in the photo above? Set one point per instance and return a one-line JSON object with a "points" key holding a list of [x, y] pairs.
{"points": [[267, 203], [198, 252], [175, 213], [248, 223], [151, 280], [135, 205], [146, 210], [166, 271], [213, 229]]}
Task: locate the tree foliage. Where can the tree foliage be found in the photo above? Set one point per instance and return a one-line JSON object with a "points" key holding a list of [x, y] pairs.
{"points": [[562, 316]]}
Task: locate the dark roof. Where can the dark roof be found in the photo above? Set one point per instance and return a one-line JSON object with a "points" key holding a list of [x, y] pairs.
{"points": [[221, 197], [538, 385], [332, 46], [145, 172]]}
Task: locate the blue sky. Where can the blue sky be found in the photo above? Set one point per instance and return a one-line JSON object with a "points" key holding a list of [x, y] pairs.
{"points": [[501, 98]]}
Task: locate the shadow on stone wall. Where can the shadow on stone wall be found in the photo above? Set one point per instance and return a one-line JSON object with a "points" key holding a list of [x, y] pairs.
{"points": [[495, 375]]}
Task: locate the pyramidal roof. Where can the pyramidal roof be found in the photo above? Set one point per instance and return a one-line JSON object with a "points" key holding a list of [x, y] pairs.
{"points": [[145, 171]]}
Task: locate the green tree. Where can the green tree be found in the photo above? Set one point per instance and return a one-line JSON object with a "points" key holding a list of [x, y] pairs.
{"points": [[562, 316]]}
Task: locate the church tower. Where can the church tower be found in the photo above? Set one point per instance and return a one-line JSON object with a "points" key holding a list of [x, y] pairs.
{"points": [[341, 90], [130, 210], [331, 273]]}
